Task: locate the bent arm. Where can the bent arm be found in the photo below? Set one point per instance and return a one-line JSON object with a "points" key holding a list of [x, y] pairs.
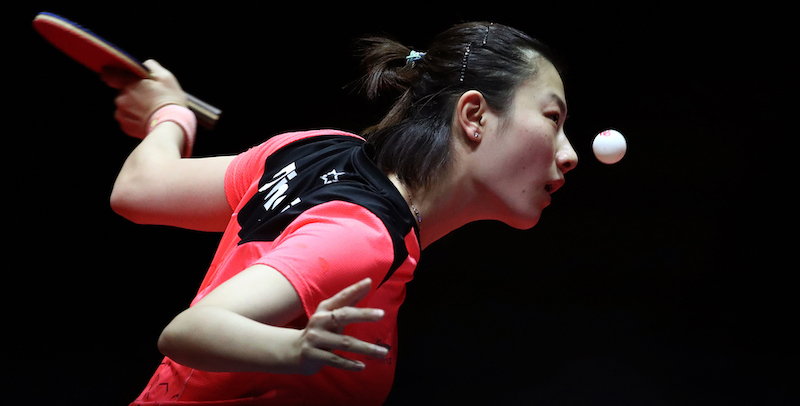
{"points": [[212, 338], [237, 328], [157, 186]]}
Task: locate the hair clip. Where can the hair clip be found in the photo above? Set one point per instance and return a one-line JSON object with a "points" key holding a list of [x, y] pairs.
{"points": [[464, 62], [414, 56], [486, 37]]}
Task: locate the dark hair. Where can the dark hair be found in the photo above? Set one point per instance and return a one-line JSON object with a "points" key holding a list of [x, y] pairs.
{"points": [[413, 139]]}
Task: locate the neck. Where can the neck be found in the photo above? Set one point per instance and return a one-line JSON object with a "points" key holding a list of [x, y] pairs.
{"points": [[442, 208]]}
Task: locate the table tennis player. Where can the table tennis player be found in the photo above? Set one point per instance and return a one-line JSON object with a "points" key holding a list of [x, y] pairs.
{"points": [[323, 229]]}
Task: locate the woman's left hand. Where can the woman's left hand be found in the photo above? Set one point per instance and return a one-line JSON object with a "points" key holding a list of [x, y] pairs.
{"points": [[324, 332]]}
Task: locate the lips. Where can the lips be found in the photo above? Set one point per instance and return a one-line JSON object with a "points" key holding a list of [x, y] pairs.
{"points": [[551, 187]]}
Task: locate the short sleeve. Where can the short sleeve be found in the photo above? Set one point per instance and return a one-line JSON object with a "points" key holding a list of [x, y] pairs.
{"points": [[247, 167], [330, 247], [241, 173]]}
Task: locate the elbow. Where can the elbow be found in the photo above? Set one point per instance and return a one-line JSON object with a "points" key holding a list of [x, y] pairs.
{"points": [[119, 201], [180, 343], [171, 340], [126, 200], [166, 342]]}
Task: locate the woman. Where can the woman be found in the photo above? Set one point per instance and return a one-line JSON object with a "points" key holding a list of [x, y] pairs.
{"points": [[323, 230]]}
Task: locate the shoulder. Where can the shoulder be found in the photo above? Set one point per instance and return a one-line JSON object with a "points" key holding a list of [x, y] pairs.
{"points": [[333, 177], [282, 141], [251, 165]]}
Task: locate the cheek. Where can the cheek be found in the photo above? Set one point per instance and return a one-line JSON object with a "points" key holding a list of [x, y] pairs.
{"points": [[523, 153], [532, 166], [523, 170], [533, 152]]}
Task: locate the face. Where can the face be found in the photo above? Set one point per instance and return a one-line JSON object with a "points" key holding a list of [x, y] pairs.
{"points": [[528, 151]]}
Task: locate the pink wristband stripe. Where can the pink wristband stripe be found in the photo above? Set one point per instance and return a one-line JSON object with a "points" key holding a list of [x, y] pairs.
{"points": [[181, 116]]}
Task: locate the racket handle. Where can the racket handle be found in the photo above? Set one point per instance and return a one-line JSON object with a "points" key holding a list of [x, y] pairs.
{"points": [[207, 115]]}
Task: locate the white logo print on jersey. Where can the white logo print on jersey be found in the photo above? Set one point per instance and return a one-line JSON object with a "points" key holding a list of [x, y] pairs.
{"points": [[278, 187], [331, 177]]}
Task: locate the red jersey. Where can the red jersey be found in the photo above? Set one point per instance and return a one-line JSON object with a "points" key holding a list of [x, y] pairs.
{"points": [[315, 207]]}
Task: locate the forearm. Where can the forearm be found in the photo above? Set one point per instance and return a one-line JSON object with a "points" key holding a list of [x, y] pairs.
{"points": [[233, 328], [152, 156], [159, 149], [157, 186], [214, 339], [138, 180]]}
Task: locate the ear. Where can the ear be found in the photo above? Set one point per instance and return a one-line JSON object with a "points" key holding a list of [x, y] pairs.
{"points": [[470, 109]]}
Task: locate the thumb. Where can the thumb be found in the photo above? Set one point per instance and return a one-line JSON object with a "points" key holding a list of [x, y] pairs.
{"points": [[160, 73], [152, 65]]}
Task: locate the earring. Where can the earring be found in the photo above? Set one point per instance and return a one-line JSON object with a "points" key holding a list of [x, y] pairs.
{"points": [[477, 134]]}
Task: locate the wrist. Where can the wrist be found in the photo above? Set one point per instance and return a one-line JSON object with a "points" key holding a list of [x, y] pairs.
{"points": [[181, 116]]}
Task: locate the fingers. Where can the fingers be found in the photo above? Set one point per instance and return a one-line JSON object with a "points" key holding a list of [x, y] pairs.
{"points": [[323, 358], [129, 124], [118, 78], [320, 345], [121, 79], [157, 71], [339, 318], [160, 74], [323, 334], [349, 296], [338, 311], [139, 98]]}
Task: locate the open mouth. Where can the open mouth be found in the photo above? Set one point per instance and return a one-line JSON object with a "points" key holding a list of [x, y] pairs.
{"points": [[553, 186]]}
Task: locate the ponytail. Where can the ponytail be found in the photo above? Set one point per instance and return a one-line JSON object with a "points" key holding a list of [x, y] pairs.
{"points": [[387, 69]]}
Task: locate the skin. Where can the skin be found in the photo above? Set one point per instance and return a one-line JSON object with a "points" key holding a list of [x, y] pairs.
{"points": [[506, 173], [510, 170], [531, 152]]}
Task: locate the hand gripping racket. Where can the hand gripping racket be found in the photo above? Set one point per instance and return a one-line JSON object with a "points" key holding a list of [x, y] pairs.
{"points": [[95, 53]]}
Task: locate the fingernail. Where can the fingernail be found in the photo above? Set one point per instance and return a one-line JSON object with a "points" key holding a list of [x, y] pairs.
{"points": [[378, 312]]}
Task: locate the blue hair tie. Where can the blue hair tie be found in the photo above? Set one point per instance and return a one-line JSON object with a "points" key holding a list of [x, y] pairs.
{"points": [[414, 56]]}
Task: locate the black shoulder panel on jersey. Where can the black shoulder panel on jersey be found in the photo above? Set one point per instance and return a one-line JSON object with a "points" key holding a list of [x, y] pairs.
{"points": [[317, 170]]}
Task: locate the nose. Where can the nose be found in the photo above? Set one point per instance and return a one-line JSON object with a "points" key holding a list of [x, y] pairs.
{"points": [[566, 158]]}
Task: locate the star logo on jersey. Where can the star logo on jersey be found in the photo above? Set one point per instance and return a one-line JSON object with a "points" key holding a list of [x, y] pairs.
{"points": [[331, 177]]}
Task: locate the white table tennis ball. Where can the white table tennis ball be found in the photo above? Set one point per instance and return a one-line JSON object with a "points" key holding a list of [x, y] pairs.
{"points": [[609, 146]]}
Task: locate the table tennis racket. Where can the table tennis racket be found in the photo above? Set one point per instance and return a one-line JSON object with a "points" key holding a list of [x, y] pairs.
{"points": [[96, 53]]}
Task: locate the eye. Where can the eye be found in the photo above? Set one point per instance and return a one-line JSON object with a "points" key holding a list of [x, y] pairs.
{"points": [[556, 117]]}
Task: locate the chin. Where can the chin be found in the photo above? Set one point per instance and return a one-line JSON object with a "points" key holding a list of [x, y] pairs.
{"points": [[523, 215], [524, 223]]}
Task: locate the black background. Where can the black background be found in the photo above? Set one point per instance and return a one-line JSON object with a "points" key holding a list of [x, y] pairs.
{"points": [[665, 279]]}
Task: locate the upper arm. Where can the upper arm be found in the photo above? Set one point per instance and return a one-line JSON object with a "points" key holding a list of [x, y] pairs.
{"points": [[154, 187]]}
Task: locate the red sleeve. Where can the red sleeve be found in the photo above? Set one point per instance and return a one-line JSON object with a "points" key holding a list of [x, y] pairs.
{"points": [[248, 166], [240, 175], [329, 247]]}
